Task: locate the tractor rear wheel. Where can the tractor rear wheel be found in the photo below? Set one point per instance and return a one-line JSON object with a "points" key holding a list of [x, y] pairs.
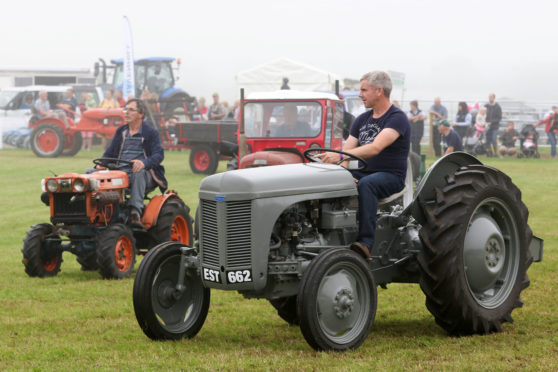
{"points": [[41, 254], [203, 160], [476, 251], [337, 301], [74, 145], [163, 312], [286, 309], [173, 224], [47, 140], [116, 254]]}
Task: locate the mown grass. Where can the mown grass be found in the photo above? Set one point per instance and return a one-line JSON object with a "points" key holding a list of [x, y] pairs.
{"points": [[76, 321]]}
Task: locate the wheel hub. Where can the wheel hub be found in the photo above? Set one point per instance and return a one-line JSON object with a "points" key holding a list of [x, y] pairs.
{"points": [[343, 303], [484, 253], [165, 294]]}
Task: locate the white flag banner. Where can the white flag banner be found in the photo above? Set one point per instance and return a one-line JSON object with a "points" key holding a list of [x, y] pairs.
{"points": [[128, 87]]}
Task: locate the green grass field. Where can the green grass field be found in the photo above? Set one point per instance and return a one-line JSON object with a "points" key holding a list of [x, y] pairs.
{"points": [[77, 321]]}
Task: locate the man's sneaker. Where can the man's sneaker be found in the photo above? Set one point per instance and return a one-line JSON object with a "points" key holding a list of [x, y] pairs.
{"points": [[135, 218]]}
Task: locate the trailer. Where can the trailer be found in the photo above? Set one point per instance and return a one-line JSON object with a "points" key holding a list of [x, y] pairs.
{"points": [[208, 141]]}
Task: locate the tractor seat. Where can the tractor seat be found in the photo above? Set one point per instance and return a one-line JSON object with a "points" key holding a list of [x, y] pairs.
{"points": [[392, 197]]}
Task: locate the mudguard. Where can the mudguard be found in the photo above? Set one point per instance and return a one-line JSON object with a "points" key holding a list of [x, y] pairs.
{"points": [[434, 177], [152, 209]]}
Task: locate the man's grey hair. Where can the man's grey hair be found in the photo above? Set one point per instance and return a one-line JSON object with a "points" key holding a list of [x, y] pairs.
{"points": [[378, 79]]}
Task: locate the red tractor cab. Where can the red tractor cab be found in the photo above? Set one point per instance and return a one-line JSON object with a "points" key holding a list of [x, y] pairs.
{"points": [[279, 126]]}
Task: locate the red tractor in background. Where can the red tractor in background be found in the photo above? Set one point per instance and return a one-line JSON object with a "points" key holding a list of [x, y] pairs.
{"points": [[320, 118], [61, 134], [89, 218]]}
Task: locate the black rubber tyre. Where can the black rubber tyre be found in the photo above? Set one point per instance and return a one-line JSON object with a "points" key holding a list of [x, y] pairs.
{"points": [[161, 312], [75, 146], [476, 251], [173, 224], [41, 257], [47, 140], [337, 301], [286, 309], [88, 261], [203, 160], [116, 252]]}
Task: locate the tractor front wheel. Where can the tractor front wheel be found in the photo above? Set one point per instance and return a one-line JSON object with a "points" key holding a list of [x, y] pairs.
{"points": [[41, 254], [203, 160], [116, 254], [337, 301], [47, 140], [162, 311], [476, 251], [173, 224]]}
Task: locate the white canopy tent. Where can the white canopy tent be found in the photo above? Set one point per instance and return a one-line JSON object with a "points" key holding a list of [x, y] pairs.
{"points": [[269, 77]]}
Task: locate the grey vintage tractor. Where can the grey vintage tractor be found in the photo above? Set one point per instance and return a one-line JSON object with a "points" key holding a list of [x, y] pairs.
{"points": [[283, 233]]}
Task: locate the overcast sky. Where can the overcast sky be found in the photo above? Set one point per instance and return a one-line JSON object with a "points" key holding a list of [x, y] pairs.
{"points": [[453, 49]]}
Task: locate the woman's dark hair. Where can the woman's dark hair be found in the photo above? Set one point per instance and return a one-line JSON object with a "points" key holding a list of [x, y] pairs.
{"points": [[141, 106], [462, 107]]}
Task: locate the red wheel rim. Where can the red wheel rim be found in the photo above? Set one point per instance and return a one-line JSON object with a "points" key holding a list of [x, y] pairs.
{"points": [[50, 265], [201, 160], [123, 253], [180, 231], [47, 140]]}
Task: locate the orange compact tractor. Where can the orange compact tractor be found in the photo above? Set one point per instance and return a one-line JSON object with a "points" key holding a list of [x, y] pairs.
{"points": [[89, 217]]}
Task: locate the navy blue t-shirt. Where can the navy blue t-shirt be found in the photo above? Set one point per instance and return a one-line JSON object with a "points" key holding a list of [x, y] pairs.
{"points": [[452, 139], [392, 159]]}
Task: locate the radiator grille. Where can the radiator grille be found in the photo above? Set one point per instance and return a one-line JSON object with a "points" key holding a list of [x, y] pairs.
{"points": [[64, 206], [235, 237], [238, 233], [210, 242]]}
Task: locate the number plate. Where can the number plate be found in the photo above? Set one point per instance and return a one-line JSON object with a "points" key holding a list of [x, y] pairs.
{"points": [[239, 276], [211, 275]]}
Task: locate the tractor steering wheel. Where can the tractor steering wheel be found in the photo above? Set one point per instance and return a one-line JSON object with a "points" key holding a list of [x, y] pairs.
{"points": [[112, 163], [307, 155]]}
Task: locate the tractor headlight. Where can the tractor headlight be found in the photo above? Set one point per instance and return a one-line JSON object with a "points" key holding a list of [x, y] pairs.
{"points": [[79, 185], [52, 185]]}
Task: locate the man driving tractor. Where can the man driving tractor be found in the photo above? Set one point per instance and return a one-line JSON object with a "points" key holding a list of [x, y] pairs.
{"points": [[140, 144], [382, 136]]}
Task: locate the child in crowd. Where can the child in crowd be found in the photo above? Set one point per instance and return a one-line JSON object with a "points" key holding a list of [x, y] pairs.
{"points": [[480, 122]]}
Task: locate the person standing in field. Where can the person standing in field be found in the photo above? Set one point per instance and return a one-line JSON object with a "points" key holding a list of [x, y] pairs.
{"points": [[416, 118], [493, 118], [438, 112]]}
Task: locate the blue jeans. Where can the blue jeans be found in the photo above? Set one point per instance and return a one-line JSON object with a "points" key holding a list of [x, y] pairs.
{"points": [[371, 188], [492, 137], [140, 182], [552, 141]]}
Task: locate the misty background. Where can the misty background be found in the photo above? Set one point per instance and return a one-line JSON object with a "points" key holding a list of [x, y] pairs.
{"points": [[455, 50]]}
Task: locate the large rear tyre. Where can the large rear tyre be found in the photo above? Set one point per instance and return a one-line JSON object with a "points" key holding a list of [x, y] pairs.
{"points": [[41, 254], [203, 160], [73, 145], [476, 251], [47, 140], [163, 312], [173, 224], [116, 252], [337, 301], [286, 309]]}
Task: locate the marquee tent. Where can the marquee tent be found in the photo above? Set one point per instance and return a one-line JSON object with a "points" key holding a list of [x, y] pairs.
{"points": [[269, 77]]}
